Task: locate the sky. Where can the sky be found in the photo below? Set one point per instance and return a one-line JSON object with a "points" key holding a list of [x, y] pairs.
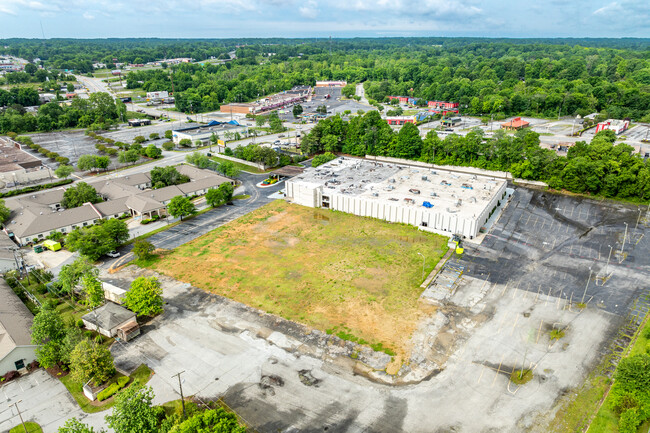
{"points": [[322, 18]]}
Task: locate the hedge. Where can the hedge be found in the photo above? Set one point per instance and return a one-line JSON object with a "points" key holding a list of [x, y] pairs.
{"points": [[113, 388], [35, 188]]}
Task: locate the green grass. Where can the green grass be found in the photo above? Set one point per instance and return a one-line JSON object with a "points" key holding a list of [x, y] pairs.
{"points": [[32, 427], [241, 197], [141, 374], [556, 334], [606, 420], [358, 277], [242, 167]]}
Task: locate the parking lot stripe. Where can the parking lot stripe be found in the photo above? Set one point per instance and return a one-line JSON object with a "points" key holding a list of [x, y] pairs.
{"points": [[498, 370]]}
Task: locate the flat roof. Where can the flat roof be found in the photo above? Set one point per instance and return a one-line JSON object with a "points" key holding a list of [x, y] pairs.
{"points": [[404, 185], [196, 130]]}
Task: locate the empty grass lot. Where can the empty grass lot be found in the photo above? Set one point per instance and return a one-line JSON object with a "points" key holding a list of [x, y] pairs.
{"points": [[330, 270]]}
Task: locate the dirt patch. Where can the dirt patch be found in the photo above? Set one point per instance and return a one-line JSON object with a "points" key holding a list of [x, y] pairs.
{"points": [[354, 274]]}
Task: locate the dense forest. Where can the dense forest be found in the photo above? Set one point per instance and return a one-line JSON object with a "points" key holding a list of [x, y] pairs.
{"points": [[485, 77], [600, 167]]}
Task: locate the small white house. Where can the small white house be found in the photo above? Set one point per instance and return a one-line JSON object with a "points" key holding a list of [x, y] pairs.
{"points": [[109, 319]]}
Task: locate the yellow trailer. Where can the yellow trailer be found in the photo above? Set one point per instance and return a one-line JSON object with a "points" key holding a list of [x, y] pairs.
{"points": [[52, 245]]}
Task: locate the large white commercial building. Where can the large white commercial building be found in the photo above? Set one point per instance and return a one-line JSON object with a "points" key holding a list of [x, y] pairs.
{"points": [[434, 200]]}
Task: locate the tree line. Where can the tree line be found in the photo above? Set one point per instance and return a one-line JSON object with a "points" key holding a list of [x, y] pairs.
{"points": [[601, 167]]}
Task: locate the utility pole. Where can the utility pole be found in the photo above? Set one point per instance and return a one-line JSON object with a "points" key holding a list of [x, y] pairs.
{"points": [[180, 386], [19, 414]]}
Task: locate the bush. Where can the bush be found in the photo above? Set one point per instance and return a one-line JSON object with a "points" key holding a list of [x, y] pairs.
{"points": [[41, 289], [79, 323], [169, 145], [52, 155], [11, 375], [33, 365], [108, 392], [62, 160], [43, 151], [88, 334], [228, 151], [145, 221], [139, 139], [113, 388]]}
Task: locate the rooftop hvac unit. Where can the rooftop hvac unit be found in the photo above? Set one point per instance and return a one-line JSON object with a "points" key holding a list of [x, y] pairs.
{"points": [[450, 210], [425, 178], [374, 194], [433, 194]]}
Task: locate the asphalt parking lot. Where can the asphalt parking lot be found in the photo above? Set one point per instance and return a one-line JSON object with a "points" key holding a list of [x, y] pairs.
{"points": [[334, 105], [524, 280], [44, 400]]}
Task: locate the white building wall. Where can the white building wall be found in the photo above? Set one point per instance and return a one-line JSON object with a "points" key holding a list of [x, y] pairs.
{"points": [[26, 353], [7, 265]]}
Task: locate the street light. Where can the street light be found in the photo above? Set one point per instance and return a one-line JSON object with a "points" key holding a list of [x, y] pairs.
{"points": [[423, 262], [19, 414], [582, 301], [624, 237], [608, 257]]}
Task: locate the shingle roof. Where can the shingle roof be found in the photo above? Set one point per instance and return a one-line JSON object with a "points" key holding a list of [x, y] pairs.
{"points": [[198, 185], [15, 321], [108, 316], [47, 221]]}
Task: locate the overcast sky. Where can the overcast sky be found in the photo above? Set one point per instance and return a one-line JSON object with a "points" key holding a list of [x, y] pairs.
{"points": [[320, 18]]}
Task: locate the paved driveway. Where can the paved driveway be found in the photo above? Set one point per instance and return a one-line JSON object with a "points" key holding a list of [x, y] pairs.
{"points": [[44, 400]]}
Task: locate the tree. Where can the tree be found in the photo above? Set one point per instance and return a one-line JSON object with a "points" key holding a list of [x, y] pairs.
{"points": [[31, 69], [76, 196], [95, 241], [139, 139], [73, 425], [145, 297], [71, 274], [260, 121], [70, 87], [185, 142], [409, 143], [93, 291], [153, 152], [227, 168], [218, 196], [169, 134], [322, 159], [321, 109], [180, 206], [168, 146], [5, 212], [297, 110], [86, 162], [48, 332], [212, 420], [73, 336], [275, 123], [349, 90], [91, 361], [142, 249], [168, 176], [128, 157], [64, 171], [154, 136], [133, 411]]}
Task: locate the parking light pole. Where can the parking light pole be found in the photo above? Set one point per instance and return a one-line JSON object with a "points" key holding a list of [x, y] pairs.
{"points": [[19, 414], [180, 386]]}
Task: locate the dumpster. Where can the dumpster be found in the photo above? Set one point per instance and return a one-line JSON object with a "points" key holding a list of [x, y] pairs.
{"points": [[38, 248]]}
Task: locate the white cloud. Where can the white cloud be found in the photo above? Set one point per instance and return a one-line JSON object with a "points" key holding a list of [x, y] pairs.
{"points": [[607, 9], [309, 10], [87, 15]]}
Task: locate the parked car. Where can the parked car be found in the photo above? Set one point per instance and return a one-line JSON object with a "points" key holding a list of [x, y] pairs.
{"points": [[113, 254], [281, 136]]}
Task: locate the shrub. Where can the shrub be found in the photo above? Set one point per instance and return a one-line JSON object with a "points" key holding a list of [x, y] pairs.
{"points": [[169, 145], [52, 155], [41, 289], [111, 151], [11, 375], [108, 392], [88, 334], [62, 160], [139, 139], [33, 365], [43, 151], [145, 221], [122, 381], [79, 323]]}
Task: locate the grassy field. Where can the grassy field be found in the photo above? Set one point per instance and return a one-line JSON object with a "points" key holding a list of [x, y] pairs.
{"points": [[357, 277], [241, 167]]}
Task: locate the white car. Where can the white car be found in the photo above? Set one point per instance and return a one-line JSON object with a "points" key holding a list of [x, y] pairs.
{"points": [[113, 254]]}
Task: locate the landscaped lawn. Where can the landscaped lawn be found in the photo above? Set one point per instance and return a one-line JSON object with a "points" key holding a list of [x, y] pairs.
{"points": [[356, 277], [32, 427], [241, 167], [140, 374]]}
